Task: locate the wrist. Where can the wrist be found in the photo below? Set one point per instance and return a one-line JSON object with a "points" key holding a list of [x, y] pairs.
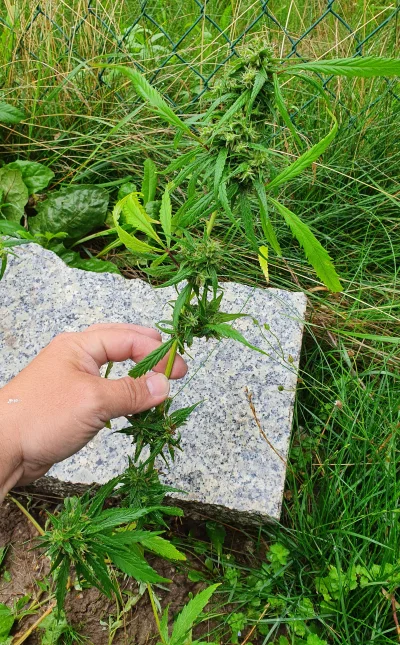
{"points": [[11, 462]]}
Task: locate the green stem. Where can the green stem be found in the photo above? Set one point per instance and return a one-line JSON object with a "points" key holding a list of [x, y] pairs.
{"points": [[28, 515], [168, 371], [155, 612], [171, 359], [211, 222]]}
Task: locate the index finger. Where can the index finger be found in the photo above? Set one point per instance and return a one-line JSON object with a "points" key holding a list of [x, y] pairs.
{"points": [[119, 344], [147, 331]]}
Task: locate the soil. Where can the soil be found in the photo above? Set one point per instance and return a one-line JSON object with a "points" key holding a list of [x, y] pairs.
{"points": [[88, 611]]}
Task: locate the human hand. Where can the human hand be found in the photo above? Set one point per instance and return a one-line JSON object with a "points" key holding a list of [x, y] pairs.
{"points": [[54, 406]]}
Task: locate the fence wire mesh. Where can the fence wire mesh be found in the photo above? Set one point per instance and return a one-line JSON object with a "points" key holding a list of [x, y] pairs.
{"points": [[180, 45]]}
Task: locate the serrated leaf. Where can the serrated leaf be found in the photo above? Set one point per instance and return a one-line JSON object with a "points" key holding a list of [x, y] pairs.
{"points": [[219, 169], [365, 67], [266, 223], [263, 260], [151, 360], [136, 215], [93, 264], [166, 215], [162, 547], [179, 417], [217, 534], [195, 168], [135, 566], [180, 302], [182, 274], [226, 331], [189, 614], [101, 573], [133, 244], [305, 160], [113, 517], [125, 538], [280, 104], [247, 219], [36, 176], [181, 161], [221, 316], [235, 107], [149, 94], [198, 208], [97, 503], [164, 625], [9, 114], [259, 82], [61, 582], [149, 184], [172, 510], [315, 252], [223, 198]]}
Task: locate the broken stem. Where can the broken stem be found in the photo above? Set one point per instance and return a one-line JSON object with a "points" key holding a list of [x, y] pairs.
{"points": [[28, 515], [32, 628]]}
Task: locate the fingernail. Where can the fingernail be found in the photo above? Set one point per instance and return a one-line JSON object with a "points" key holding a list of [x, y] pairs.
{"points": [[158, 385]]}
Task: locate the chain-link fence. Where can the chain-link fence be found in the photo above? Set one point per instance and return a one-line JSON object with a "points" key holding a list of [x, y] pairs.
{"points": [[181, 44]]}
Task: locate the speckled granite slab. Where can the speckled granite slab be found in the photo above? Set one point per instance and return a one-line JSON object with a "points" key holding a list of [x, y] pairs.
{"points": [[227, 465]]}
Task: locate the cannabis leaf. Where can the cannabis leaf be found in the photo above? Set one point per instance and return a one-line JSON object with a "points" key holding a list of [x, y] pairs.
{"points": [[305, 160], [162, 547], [189, 614], [365, 67], [134, 244], [149, 94], [280, 104], [151, 360], [266, 224], [166, 215], [83, 535], [10, 114], [136, 215], [219, 169], [315, 252], [226, 331], [149, 183]]}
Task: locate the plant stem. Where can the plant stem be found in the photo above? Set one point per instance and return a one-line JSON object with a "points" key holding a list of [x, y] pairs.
{"points": [[155, 612], [171, 359], [32, 628], [28, 515], [211, 222]]}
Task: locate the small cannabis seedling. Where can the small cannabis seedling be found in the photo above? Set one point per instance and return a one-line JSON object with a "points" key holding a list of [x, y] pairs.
{"points": [[87, 537]]}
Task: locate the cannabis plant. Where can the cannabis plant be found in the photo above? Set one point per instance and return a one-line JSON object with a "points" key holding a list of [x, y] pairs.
{"points": [[230, 164], [228, 167], [87, 536]]}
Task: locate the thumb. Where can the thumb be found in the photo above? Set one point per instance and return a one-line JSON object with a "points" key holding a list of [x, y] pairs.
{"points": [[129, 396]]}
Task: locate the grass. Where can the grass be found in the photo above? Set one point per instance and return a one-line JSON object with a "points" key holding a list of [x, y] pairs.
{"points": [[341, 497]]}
